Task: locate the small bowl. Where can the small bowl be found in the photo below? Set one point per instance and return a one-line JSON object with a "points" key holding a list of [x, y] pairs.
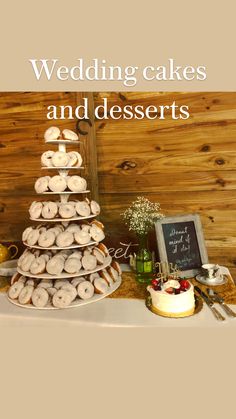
{"points": [[8, 268]]}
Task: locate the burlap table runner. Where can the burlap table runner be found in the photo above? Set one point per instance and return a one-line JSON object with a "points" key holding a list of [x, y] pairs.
{"points": [[129, 288]]}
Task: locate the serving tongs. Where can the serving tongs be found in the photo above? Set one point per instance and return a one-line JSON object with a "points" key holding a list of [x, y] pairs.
{"points": [[218, 299]]}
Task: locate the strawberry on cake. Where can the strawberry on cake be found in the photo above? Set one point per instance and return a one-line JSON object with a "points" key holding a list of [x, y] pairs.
{"points": [[173, 298]]}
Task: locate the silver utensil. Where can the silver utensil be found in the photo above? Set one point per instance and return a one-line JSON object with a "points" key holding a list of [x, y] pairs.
{"points": [[210, 304], [216, 297]]}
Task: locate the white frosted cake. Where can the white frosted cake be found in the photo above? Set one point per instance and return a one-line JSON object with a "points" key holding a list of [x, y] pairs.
{"points": [[174, 298]]}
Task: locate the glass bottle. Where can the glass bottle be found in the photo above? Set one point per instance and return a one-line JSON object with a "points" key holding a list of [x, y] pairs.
{"points": [[144, 261]]}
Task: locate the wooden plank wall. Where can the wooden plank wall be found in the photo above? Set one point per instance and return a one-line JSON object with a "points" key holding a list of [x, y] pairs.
{"points": [[186, 165]]}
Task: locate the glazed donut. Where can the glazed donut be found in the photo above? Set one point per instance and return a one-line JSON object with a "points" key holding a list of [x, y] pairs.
{"points": [[99, 255], [57, 183], [52, 133], [67, 134], [61, 299], [96, 233], [59, 283], [95, 207], [82, 237], [60, 159], [117, 267], [82, 208], [27, 261], [93, 276], [72, 265], [15, 289], [55, 265], [67, 210], [113, 273], [46, 239], [45, 283], [85, 290], [40, 297], [105, 275], [38, 266], [35, 209], [26, 233], [100, 285], [97, 224], [46, 158], [26, 294], [64, 239], [73, 228], [33, 237], [77, 280], [76, 183], [51, 291], [41, 184], [49, 210], [71, 289], [89, 262]]}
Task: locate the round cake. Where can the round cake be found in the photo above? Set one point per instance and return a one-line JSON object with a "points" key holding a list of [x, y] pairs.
{"points": [[173, 298]]}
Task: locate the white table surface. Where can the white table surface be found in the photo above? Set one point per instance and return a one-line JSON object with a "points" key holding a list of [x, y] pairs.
{"points": [[107, 313]]}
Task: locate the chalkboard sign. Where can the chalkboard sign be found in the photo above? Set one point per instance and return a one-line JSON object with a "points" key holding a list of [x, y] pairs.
{"points": [[180, 241]]}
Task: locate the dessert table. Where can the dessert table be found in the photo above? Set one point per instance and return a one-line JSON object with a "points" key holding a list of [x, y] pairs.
{"points": [[125, 308]]}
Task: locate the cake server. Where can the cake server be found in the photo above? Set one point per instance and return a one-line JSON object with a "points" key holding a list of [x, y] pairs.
{"points": [[210, 304], [216, 297]]}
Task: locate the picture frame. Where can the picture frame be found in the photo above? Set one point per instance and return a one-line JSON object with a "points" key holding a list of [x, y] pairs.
{"points": [[180, 241]]}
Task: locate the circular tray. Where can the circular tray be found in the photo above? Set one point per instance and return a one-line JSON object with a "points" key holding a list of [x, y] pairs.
{"points": [[66, 275], [76, 303], [62, 193], [62, 168], [63, 142], [73, 246], [198, 307], [213, 282], [62, 220]]}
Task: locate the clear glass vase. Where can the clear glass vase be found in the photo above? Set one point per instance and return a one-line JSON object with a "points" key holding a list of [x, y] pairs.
{"points": [[144, 261]]}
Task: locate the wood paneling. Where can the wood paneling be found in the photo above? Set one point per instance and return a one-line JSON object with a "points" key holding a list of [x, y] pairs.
{"points": [[186, 165]]}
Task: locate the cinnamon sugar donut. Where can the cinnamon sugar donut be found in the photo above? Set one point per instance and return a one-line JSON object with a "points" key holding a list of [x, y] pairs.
{"points": [[60, 159], [41, 184], [49, 210], [46, 158], [52, 133], [67, 134], [40, 297], [67, 210], [95, 207], [85, 290], [35, 209], [72, 265], [82, 208], [46, 239], [55, 265], [61, 299], [26, 294], [89, 262], [100, 286], [15, 289], [38, 266], [76, 183], [64, 239], [57, 184], [82, 237]]}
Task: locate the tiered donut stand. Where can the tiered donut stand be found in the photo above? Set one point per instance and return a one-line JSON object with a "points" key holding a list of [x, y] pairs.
{"points": [[64, 198]]}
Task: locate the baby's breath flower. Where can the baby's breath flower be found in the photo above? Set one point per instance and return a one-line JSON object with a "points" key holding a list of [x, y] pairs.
{"points": [[141, 215]]}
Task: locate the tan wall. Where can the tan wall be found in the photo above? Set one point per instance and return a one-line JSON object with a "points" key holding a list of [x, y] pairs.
{"points": [[186, 165]]}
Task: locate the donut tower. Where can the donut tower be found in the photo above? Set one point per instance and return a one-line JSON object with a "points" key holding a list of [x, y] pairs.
{"points": [[65, 264]]}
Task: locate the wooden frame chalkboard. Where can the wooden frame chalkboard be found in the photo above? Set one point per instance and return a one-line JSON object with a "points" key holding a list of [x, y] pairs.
{"points": [[180, 241]]}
